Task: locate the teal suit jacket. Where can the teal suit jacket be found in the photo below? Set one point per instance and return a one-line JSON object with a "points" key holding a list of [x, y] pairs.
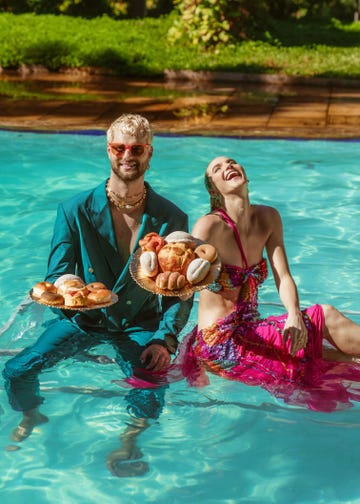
{"points": [[84, 243]]}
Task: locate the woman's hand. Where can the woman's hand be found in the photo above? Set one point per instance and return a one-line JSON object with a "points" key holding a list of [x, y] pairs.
{"points": [[295, 329]]}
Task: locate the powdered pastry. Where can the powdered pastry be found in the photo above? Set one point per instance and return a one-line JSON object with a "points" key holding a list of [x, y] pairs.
{"points": [[197, 270]]}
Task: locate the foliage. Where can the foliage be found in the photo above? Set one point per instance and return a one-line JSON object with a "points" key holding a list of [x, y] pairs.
{"points": [[124, 47], [84, 8], [138, 47], [278, 9], [88, 8], [340, 9], [200, 110], [213, 22], [320, 9]]}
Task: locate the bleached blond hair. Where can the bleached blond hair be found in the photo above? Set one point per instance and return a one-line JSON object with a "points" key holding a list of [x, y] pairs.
{"points": [[131, 124]]}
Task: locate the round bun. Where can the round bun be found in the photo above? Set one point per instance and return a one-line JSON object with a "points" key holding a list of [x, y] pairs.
{"points": [[99, 296], [41, 287], [67, 276], [152, 242], [70, 286], [76, 298], [175, 257], [149, 263], [171, 280], [176, 281], [94, 286], [206, 251], [181, 236], [162, 279], [52, 298], [197, 270]]}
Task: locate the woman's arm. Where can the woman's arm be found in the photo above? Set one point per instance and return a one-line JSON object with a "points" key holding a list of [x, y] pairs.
{"points": [[295, 328]]}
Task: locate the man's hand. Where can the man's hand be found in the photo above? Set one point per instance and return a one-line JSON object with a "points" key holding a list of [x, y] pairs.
{"points": [[156, 357], [295, 329]]}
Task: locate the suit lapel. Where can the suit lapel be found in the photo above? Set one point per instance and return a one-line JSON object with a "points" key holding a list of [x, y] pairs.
{"points": [[99, 213]]}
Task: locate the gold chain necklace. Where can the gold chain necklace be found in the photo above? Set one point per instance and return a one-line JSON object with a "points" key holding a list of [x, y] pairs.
{"points": [[111, 196]]}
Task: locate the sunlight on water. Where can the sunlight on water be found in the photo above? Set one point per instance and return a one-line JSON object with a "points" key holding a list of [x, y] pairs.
{"points": [[225, 443]]}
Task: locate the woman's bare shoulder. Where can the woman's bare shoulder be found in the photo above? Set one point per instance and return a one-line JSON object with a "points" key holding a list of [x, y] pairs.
{"points": [[205, 226], [266, 211], [264, 208]]}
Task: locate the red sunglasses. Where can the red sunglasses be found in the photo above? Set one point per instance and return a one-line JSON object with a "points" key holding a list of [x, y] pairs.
{"points": [[136, 150]]}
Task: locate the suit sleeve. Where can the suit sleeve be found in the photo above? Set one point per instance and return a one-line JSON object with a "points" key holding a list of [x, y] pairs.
{"points": [[62, 256], [175, 315]]}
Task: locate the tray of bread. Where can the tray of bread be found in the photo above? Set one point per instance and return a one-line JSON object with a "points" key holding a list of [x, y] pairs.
{"points": [[70, 292], [176, 265]]}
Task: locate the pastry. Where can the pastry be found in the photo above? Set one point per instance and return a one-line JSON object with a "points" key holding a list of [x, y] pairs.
{"points": [[70, 286], [52, 298], [41, 287], [152, 242], [206, 251], [171, 280], [76, 298], [66, 276], [100, 296], [181, 236], [94, 286], [175, 257], [149, 263], [197, 270]]}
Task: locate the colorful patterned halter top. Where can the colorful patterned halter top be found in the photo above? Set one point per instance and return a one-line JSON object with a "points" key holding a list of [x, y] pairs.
{"points": [[246, 278]]}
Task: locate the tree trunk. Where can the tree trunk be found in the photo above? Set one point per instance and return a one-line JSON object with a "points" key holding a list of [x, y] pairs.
{"points": [[137, 8]]}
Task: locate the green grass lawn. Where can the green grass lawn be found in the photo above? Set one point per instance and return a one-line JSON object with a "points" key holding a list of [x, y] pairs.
{"points": [[140, 47]]}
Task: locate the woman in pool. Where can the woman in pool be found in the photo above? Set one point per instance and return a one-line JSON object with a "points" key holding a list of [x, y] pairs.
{"points": [[284, 354]]}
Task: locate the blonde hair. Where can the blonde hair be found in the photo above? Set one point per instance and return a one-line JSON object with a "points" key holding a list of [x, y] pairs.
{"points": [[215, 196], [131, 124]]}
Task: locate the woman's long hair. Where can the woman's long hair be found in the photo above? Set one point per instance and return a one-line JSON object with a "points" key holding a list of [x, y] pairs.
{"points": [[215, 196]]}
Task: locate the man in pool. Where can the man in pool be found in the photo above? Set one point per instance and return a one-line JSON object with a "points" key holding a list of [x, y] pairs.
{"points": [[95, 233]]}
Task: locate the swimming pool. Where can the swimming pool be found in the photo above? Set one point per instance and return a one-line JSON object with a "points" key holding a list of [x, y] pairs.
{"points": [[225, 443]]}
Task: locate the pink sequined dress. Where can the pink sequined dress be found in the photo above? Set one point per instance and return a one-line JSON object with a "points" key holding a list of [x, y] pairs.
{"points": [[245, 347]]}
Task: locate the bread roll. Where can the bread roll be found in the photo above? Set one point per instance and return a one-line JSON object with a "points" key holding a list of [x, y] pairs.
{"points": [[181, 236], [70, 286], [94, 286], [197, 270], [52, 298], [152, 242], [149, 263], [67, 276], [175, 257], [162, 279], [170, 280], [41, 287], [176, 281], [100, 296], [206, 251], [76, 298]]}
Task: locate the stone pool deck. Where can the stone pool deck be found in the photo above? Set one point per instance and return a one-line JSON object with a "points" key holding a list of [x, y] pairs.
{"points": [[184, 103]]}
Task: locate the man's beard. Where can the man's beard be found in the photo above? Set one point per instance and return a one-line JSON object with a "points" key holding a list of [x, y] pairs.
{"points": [[135, 174]]}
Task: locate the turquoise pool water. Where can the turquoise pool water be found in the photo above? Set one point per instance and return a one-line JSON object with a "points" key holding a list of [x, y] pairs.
{"points": [[226, 443]]}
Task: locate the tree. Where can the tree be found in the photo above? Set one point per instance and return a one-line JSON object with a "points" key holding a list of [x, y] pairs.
{"points": [[212, 22], [137, 9]]}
